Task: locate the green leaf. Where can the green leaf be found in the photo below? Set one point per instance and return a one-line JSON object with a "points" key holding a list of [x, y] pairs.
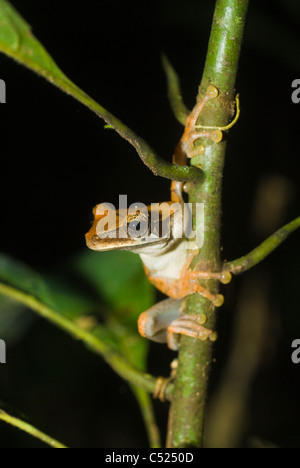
{"points": [[119, 280], [17, 41], [23, 278], [14, 320], [51, 290], [174, 90], [68, 297], [22, 285]]}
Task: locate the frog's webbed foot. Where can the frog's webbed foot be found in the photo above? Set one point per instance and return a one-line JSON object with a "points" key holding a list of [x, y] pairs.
{"points": [[190, 325], [190, 281], [215, 135], [192, 285], [191, 133], [194, 131]]}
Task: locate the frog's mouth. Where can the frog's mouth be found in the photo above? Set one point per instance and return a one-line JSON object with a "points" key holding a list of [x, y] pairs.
{"points": [[103, 244]]}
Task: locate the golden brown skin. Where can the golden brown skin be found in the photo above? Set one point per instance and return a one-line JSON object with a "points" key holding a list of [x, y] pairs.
{"points": [[166, 260]]}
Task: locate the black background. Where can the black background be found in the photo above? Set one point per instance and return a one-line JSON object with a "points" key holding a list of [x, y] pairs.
{"points": [[57, 161]]}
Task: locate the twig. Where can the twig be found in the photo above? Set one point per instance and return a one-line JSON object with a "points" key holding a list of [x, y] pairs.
{"points": [[174, 91], [261, 252], [30, 430], [146, 406], [120, 365], [27, 50]]}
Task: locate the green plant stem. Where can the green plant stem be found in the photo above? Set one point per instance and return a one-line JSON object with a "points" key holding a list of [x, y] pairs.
{"points": [[30, 430], [195, 357], [120, 365], [262, 251], [145, 404], [174, 91], [157, 165], [19, 43]]}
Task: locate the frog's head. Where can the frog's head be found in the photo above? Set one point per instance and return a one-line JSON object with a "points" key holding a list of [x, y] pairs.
{"points": [[139, 229]]}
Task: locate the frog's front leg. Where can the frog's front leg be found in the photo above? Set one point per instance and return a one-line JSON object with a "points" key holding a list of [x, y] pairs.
{"points": [[189, 282], [165, 322]]}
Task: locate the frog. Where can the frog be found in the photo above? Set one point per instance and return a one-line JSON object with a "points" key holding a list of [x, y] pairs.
{"points": [[167, 257]]}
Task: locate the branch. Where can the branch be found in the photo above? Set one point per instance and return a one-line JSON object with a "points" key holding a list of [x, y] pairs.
{"points": [[120, 365], [195, 357], [174, 91], [17, 41], [257, 255], [146, 406], [30, 430], [157, 165]]}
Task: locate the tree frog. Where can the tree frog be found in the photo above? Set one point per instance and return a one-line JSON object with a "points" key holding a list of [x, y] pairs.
{"points": [[166, 258]]}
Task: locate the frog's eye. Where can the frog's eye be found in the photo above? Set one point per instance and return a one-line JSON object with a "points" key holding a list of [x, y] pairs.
{"points": [[138, 227], [135, 225]]}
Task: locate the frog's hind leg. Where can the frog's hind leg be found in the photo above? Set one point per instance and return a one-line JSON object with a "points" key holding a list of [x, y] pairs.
{"points": [[191, 325], [154, 322], [164, 323]]}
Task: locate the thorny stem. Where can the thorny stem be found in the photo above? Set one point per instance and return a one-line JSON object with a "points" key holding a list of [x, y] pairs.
{"points": [[195, 357]]}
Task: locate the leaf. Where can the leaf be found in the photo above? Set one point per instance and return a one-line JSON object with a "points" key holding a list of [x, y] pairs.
{"points": [[17, 41], [26, 289], [174, 90], [23, 278], [118, 278], [54, 292], [14, 320], [68, 297], [259, 443]]}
